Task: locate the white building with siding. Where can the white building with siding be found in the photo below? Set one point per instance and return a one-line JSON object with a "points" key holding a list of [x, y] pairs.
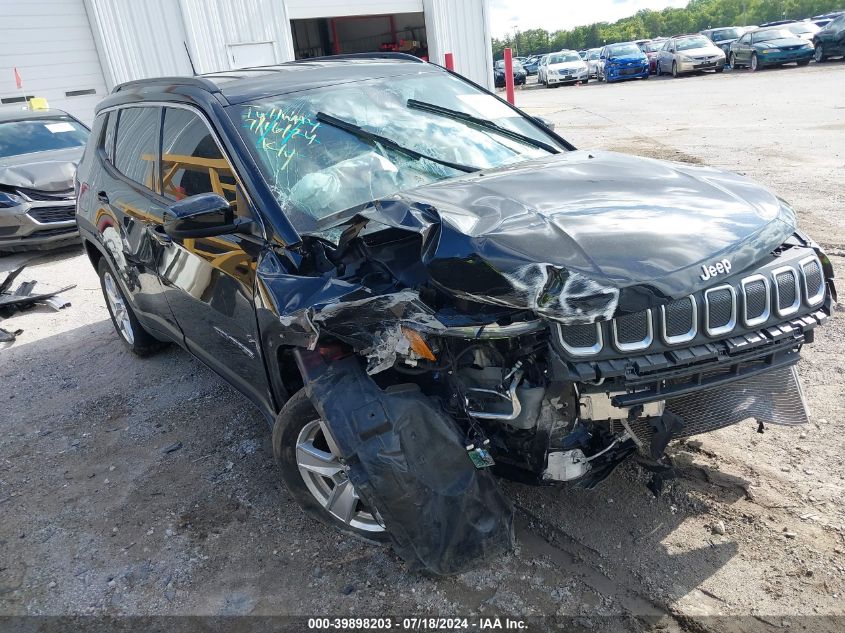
{"points": [[73, 52]]}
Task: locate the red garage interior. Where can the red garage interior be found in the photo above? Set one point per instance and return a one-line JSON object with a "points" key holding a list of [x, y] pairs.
{"points": [[402, 32]]}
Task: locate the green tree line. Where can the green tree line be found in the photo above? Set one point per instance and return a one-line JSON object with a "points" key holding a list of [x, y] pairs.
{"points": [[696, 16]]}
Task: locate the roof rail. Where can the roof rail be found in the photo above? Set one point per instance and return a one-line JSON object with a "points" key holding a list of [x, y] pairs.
{"points": [[198, 82]]}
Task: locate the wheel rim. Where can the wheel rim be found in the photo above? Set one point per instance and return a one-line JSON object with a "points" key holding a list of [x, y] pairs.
{"points": [[325, 477], [819, 53], [118, 308]]}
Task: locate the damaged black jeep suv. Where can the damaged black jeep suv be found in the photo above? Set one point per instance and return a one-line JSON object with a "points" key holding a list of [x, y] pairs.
{"points": [[419, 286]]}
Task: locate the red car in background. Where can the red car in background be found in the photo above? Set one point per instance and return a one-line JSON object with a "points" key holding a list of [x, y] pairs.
{"points": [[650, 48]]}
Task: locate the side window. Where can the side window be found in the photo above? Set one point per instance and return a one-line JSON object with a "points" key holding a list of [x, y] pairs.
{"points": [[191, 160], [136, 147], [106, 143]]}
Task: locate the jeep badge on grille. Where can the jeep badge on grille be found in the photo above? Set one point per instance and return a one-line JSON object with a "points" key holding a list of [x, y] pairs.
{"points": [[719, 268]]}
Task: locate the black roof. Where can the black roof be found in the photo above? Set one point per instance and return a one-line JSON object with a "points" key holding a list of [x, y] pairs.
{"points": [[243, 84]]}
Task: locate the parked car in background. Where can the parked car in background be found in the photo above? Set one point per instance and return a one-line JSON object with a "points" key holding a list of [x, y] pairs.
{"points": [[651, 49], [830, 41], [622, 61], [519, 74], [770, 46], [531, 65], [39, 151], [563, 67], [583, 55], [803, 29], [684, 54], [826, 18], [593, 62], [724, 37]]}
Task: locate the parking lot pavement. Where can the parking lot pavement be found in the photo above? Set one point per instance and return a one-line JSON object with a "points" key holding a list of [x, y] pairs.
{"points": [[100, 514]]}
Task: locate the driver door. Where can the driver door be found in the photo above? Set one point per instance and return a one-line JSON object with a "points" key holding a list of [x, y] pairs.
{"points": [[210, 282], [743, 49]]}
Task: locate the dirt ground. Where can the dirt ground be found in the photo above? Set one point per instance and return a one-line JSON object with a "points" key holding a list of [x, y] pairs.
{"points": [[99, 516]]}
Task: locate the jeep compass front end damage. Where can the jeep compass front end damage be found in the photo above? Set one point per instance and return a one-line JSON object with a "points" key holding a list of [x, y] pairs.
{"points": [[551, 319], [426, 287]]}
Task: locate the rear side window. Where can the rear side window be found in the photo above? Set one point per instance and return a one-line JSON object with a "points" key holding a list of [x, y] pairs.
{"points": [[191, 160], [136, 147], [107, 138]]}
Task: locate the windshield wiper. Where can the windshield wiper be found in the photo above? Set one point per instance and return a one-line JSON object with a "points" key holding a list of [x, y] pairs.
{"points": [[372, 137], [479, 122]]}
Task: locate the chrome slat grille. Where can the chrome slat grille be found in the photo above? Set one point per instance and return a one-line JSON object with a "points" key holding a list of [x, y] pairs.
{"points": [[633, 331], [719, 310], [680, 321], [813, 280], [787, 298], [756, 299], [751, 302], [581, 340]]}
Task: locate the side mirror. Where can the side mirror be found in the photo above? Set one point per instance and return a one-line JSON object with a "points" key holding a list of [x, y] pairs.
{"points": [[203, 215], [545, 123]]}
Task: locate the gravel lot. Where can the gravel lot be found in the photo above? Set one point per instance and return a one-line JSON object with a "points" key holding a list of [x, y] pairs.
{"points": [[98, 518]]}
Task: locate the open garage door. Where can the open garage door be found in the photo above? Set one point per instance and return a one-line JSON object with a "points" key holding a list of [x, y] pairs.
{"points": [[51, 45], [399, 32]]}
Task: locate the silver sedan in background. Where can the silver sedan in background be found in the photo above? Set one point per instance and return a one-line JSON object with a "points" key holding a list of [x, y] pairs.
{"points": [[39, 151], [688, 54]]}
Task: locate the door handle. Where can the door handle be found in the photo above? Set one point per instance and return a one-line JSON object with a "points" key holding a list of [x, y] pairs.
{"points": [[156, 231], [103, 197]]}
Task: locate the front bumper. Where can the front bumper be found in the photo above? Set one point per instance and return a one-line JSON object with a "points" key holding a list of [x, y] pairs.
{"points": [[787, 57], [569, 78], [694, 66], [38, 225], [628, 72]]}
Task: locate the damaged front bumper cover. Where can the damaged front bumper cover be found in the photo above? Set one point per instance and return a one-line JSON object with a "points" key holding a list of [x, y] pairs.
{"points": [[407, 460]]}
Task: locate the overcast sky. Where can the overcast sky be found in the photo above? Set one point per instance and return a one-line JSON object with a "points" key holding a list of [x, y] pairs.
{"points": [[553, 15]]}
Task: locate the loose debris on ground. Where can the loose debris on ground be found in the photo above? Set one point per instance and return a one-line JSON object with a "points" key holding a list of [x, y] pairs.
{"points": [[22, 299]]}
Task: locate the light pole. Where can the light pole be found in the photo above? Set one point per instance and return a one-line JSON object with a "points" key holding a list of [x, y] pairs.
{"points": [[516, 40]]}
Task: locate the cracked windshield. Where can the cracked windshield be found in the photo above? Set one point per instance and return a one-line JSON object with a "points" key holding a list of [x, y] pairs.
{"points": [[326, 152]]}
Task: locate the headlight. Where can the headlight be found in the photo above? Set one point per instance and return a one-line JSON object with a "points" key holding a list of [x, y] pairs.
{"points": [[766, 51], [9, 200], [685, 58]]}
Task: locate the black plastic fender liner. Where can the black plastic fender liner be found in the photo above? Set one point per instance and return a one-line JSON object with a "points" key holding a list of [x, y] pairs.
{"points": [[407, 460]]}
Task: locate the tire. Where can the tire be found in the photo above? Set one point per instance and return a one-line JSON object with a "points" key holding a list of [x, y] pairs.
{"points": [[720, 70], [755, 63], [819, 54], [298, 436], [804, 63], [675, 70], [131, 333], [732, 62]]}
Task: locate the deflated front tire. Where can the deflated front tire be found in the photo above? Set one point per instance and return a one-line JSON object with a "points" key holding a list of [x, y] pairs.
{"points": [[315, 476]]}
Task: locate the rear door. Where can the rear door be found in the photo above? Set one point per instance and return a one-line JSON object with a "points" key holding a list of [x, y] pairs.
{"points": [[209, 282], [130, 211]]}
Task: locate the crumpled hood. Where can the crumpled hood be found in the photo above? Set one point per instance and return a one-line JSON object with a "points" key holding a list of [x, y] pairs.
{"points": [[45, 171], [619, 231]]}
